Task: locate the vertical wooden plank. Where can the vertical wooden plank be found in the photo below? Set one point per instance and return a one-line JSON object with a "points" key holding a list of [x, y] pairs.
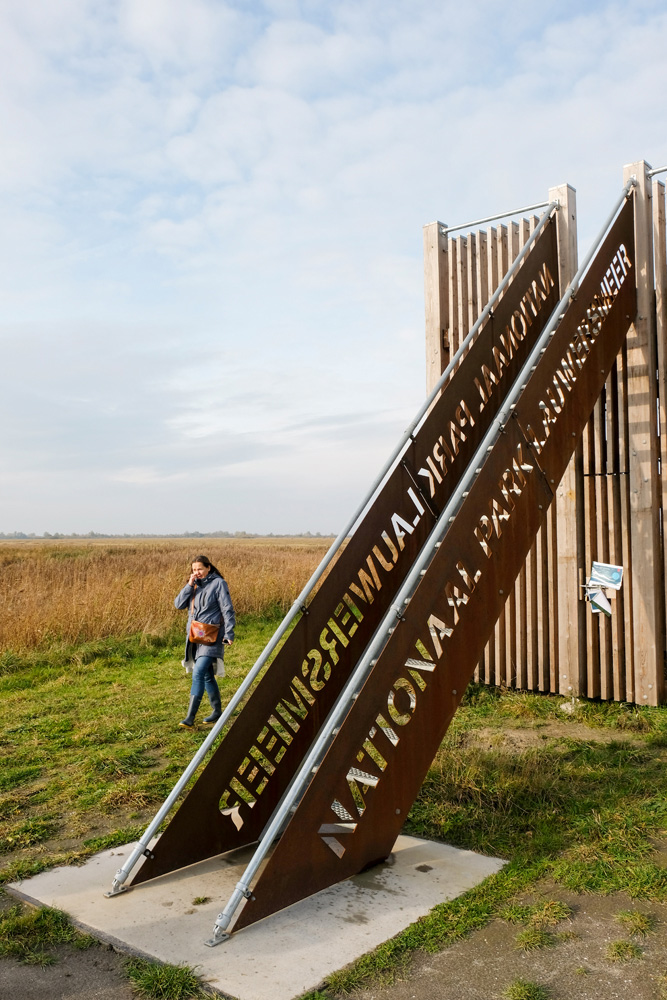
{"points": [[533, 628], [471, 280], [493, 259], [593, 633], [660, 271], [545, 660], [503, 253], [615, 532], [624, 489], [510, 669], [493, 679], [501, 649], [522, 645], [602, 526], [514, 241], [436, 303], [453, 283], [514, 650], [462, 277], [568, 569], [645, 490], [551, 526], [482, 270]]}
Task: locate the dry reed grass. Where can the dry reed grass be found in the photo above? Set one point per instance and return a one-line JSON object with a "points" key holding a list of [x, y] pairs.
{"points": [[77, 591]]}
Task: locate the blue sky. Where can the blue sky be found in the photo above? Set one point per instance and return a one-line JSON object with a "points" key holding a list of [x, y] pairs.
{"points": [[211, 282]]}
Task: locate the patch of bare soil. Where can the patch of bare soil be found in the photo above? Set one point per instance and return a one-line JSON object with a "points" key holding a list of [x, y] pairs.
{"points": [[536, 734], [94, 974], [482, 966]]}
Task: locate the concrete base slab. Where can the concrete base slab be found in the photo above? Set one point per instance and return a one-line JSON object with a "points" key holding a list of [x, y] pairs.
{"points": [[280, 957]]}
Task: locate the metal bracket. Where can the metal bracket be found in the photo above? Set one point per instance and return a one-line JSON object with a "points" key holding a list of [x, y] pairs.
{"points": [[217, 939], [117, 890], [149, 854]]}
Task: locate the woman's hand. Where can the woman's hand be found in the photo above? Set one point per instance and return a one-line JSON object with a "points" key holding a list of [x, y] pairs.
{"points": [[192, 580]]}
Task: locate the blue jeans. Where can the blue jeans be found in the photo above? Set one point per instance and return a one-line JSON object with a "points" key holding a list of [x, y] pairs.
{"points": [[204, 678]]}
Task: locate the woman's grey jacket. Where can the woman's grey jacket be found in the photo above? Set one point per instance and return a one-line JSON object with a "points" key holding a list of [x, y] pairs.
{"points": [[212, 605]]}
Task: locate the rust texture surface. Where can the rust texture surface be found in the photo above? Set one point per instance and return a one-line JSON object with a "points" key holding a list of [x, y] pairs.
{"points": [[360, 796]]}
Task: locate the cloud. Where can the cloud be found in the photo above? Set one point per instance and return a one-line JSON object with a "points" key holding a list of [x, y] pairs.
{"points": [[210, 263]]}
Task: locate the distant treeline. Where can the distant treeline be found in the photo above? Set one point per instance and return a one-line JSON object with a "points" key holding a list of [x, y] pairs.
{"points": [[13, 535]]}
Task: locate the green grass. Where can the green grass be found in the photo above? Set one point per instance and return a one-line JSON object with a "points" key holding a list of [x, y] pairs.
{"points": [[164, 982], [580, 813], [623, 951], [636, 924], [539, 915], [533, 938], [105, 716], [537, 918], [521, 989], [27, 934]]}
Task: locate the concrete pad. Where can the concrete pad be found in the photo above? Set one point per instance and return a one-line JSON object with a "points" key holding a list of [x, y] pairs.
{"points": [[280, 957]]}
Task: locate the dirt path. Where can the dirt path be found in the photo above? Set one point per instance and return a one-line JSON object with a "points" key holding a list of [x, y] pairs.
{"points": [[94, 974]]}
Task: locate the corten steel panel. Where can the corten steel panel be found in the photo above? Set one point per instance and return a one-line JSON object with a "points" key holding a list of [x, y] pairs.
{"points": [[541, 409], [256, 760], [355, 806]]}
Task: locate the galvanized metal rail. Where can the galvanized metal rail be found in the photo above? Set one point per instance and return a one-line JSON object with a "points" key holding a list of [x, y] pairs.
{"points": [[395, 612]]}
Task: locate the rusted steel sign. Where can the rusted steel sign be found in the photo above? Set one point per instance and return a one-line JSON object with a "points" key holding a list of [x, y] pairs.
{"points": [[360, 796], [239, 789]]}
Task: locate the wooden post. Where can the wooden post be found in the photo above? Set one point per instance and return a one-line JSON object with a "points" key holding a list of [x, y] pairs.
{"points": [[436, 297], [567, 573], [660, 267], [645, 492]]}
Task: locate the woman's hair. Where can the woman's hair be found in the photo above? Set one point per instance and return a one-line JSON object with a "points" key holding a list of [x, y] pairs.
{"points": [[205, 561]]}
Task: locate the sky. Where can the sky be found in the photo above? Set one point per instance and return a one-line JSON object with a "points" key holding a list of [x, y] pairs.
{"points": [[211, 274]]}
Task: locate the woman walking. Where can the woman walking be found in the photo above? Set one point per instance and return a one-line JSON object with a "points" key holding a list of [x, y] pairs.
{"points": [[211, 623]]}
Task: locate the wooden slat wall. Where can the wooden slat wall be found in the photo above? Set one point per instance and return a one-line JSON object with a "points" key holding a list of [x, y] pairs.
{"points": [[609, 504]]}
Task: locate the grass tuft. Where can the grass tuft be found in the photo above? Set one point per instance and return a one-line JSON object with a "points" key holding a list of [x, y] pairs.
{"points": [[538, 916], [637, 924], [164, 982], [522, 989], [533, 938], [25, 935], [550, 914], [623, 951]]}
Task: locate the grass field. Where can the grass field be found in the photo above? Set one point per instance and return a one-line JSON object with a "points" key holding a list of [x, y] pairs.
{"points": [[66, 592], [90, 745]]}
